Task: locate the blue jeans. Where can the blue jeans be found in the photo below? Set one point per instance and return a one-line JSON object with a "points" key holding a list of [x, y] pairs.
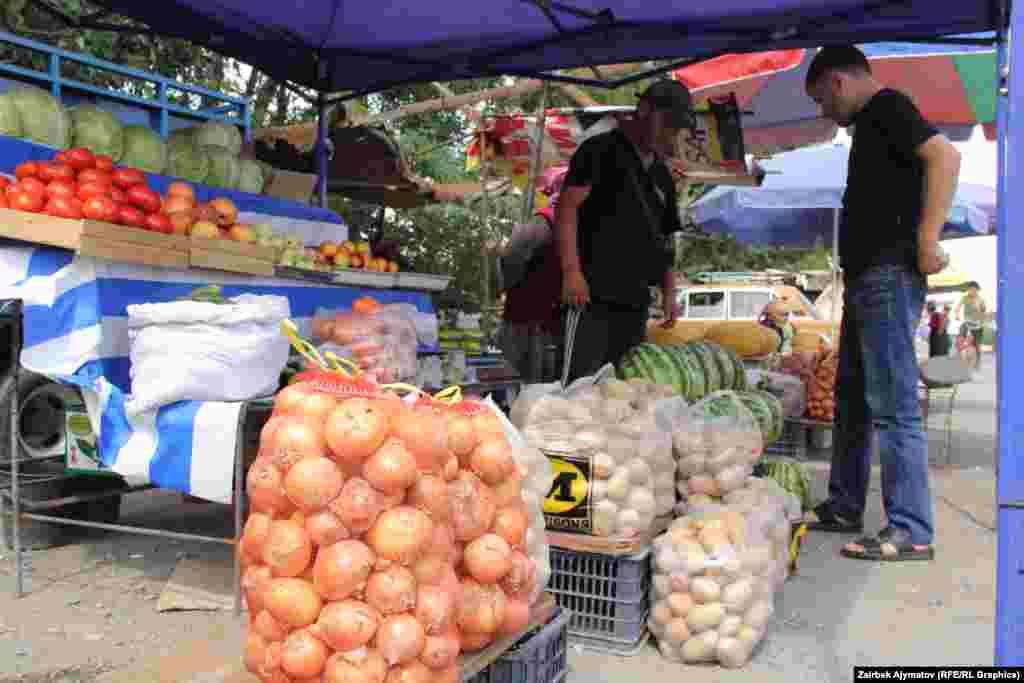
{"points": [[877, 391]]}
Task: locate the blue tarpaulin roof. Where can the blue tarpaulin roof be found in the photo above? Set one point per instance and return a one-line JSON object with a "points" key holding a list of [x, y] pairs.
{"points": [[333, 45]]}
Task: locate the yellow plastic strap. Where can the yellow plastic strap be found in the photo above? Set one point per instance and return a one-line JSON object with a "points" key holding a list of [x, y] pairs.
{"points": [[307, 350], [400, 386], [794, 545], [343, 365], [451, 395]]}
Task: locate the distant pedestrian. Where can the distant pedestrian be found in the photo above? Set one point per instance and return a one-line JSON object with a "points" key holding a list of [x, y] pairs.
{"points": [[938, 337]]}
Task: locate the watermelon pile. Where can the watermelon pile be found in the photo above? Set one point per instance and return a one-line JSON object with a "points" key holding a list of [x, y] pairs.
{"points": [[695, 369], [788, 474], [765, 407]]}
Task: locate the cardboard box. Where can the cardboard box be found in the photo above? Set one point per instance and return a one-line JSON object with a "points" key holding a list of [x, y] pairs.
{"points": [[290, 185]]}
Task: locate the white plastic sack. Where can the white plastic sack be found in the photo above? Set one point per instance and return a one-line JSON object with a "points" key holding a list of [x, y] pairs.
{"points": [[192, 351]]}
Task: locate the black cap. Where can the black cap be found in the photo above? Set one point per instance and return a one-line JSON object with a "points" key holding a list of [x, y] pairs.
{"points": [[673, 97]]}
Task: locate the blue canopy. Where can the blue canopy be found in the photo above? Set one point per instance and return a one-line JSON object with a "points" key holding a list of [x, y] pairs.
{"points": [[331, 45], [797, 203]]}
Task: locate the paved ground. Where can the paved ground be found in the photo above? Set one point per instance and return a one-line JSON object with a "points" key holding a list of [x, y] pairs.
{"points": [[92, 616]]}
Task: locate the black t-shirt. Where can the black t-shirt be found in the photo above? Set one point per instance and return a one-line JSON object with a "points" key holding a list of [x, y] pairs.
{"points": [[618, 253], [885, 185]]}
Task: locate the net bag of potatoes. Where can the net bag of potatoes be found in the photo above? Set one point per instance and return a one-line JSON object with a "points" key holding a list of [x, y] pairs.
{"points": [[716, 443], [717, 571], [387, 532]]}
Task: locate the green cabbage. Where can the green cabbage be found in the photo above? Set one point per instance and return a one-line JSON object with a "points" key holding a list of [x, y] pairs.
{"points": [[98, 131], [268, 172], [250, 176], [43, 118], [224, 167], [217, 134], [144, 150], [185, 160], [10, 120], [181, 135]]}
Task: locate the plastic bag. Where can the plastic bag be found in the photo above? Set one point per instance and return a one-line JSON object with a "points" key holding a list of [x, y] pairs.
{"points": [[716, 573], [193, 351], [383, 342]]}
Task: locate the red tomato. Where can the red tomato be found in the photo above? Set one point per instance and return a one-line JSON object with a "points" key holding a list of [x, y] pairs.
{"points": [[117, 194], [126, 177], [94, 175], [62, 188], [80, 158], [92, 189], [32, 186], [5, 182], [3, 201], [129, 215], [144, 198], [104, 163], [61, 157], [100, 208], [28, 169], [158, 222], [65, 207], [50, 171], [25, 201]]}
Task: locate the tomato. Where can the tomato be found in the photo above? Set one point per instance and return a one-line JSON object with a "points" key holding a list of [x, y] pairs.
{"points": [[99, 208], [144, 198], [158, 222], [28, 169], [94, 175], [32, 186], [104, 163], [129, 215], [25, 201], [62, 188], [3, 201], [5, 182], [117, 194], [64, 207], [91, 189], [50, 171], [126, 177], [80, 158], [61, 157]]}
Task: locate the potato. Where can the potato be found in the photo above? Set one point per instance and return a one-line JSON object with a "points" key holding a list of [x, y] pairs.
{"points": [[680, 604], [696, 558], [750, 637], [722, 460], [705, 590], [617, 410], [690, 466], [662, 614], [737, 596], [699, 500], [605, 518], [678, 534], [704, 617], [664, 503], [668, 651], [631, 523], [618, 485], [677, 632], [662, 585], [642, 501], [700, 648], [731, 653], [758, 615], [715, 542], [590, 439], [757, 559], [602, 466], [640, 473], [616, 388], [598, 490], [703, 484], [680, 583], [730, 626], [732, 478]]}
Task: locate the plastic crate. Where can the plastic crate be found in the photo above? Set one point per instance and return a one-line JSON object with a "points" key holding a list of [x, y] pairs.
{"points": [[610, 647], [607, 596], [538, 657]]}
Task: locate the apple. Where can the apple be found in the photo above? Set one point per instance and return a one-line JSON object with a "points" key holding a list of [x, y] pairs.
{"points": [[181, 223], [343, 259], [205, 229], [363, 247], [357, 261], [328, 249], [392, 267], [227, 212], [240, 232], [349, 246]]}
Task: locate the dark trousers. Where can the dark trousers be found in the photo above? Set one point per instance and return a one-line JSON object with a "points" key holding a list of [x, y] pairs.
{"points": [[605, 332]]}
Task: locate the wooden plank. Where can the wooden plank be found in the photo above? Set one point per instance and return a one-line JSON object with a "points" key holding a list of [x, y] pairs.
{"points": [[232, 263], [127, 252], [120, 233], [40, 228], [473, 663], [616, 547], [253, 251]]}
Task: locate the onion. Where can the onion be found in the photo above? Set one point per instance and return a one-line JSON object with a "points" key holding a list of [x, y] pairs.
{"points": [[481, 609], [265, 487], [488, 424], [293, 602], [401, 534], [450, 675], [250, 547], [451, 585], [510, 523], [342, 569], [441, 651], [356, 428], [429, 570], [271, 668], [362, 665], [304, 656], [269, 431], [325, 528], [430, 494], [450, 469], [313, 483], [510, 491], [442, 544], [492, 461], [400, 639], [254, 583], [255, 653], [348, 624], [268, 628], [474, 642], [462, 436], [413, 672], [517, 617], [296, 439], [423, 431], [289, 398], [471, 506], [287, 549], [391, 469], [521, 578], [488, 558], [434, 607], [392, 591], [357, 506]]}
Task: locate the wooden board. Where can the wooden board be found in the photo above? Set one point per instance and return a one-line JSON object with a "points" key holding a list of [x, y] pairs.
{"points": [[130, 252], [232, 263], [40, 228], [615, 547], [252, 251], [120, 233], [473, 663]]}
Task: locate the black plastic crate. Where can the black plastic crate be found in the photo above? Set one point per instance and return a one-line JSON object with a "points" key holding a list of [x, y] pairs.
{"points": [[538, 657]]}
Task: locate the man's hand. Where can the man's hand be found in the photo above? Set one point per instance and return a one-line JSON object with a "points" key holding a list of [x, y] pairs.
{"points": [[575, 290], [671, 314], [679, 168], [930, 259]]}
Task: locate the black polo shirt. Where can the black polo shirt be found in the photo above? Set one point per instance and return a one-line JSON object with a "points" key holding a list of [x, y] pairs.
{"points": [[885, 185], [617, 251]]}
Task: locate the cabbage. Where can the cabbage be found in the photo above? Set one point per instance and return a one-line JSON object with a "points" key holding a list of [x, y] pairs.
{"points": [[268, 172], [224, 168], [43, 118], [180, 135], [250, 176], [144, 150], [217, 134], [10, 120], [185, 160], [98, 131]]}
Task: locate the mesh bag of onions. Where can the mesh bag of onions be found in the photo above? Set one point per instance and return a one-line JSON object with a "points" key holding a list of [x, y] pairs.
{"points": [[386, 535], [716, 443], [380, 340], [608, 431], [717, 571]]}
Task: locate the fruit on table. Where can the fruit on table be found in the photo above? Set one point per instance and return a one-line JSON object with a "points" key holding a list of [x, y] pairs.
{"points": [[748, 338], [329, 249], [241, 232], [227, 212], [206, 230], [821, 388]]}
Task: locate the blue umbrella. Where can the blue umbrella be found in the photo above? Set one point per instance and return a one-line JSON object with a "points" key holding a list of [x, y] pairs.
{"points": [[798, 204]]}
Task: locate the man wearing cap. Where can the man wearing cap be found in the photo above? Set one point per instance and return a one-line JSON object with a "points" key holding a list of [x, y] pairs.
{"points": [[616, 214]]}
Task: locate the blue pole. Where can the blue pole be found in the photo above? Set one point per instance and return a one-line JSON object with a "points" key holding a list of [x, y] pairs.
{"points": [[1009, 634], [321, 151]]}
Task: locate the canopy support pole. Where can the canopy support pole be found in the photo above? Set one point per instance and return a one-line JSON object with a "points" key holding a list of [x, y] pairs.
{"points": [[835, 275], [538, 156], [321, 150]]}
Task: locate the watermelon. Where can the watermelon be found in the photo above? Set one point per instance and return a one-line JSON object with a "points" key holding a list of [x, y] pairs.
{"points": [[740, 372], [650, 362], [762, 413], [726, 369], [723, 404], [778, 413], [713, 380], [697, 383]]}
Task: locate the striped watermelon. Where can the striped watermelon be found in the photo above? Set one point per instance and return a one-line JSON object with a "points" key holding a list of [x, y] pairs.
{"points": [[740, 370], [704, 355], [650, 362], [762, 413], [778, 412], [726, 369], [697, 383]]}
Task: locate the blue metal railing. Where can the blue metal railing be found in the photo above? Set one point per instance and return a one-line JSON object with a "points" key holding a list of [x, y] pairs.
{"points": [[234, 110]]}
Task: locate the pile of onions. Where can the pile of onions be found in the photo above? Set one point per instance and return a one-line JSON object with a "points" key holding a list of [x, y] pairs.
{"points": [[383, 539]]}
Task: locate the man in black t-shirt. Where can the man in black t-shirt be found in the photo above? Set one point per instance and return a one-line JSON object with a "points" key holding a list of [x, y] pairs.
{"points": [[616, 215], [902, 176]]}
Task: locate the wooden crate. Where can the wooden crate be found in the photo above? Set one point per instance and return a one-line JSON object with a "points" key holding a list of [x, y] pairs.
{"points": [[133, 245], [40, 228], [234, 257]]}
